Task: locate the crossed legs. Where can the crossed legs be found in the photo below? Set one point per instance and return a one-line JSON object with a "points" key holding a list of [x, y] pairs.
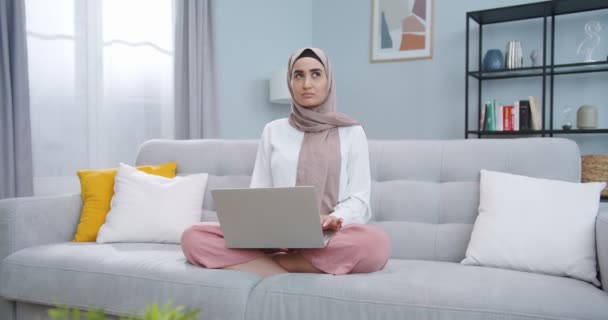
{"points": [[277, 263], [356, 248]]}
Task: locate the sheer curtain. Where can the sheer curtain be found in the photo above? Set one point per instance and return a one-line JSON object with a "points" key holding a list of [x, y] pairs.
{"points": [[101, 83]]}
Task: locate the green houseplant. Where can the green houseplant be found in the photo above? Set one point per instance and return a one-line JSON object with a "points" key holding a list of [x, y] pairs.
{"points": [[152, 312]]}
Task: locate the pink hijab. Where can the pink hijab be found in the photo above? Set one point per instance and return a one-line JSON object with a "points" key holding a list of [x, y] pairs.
{"points": [[319, 161]]}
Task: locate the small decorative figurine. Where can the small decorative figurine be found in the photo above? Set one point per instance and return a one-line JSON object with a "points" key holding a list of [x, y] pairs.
{"points": [[567, 112], [535, 58], [585, 48]]}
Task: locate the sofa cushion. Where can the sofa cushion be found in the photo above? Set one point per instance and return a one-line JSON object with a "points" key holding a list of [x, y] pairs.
{"points": [[150, 208], [122, 278], [415, 289], [536, 225]]}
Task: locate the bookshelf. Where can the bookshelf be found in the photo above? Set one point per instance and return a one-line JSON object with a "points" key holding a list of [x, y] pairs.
{"points": [[546, 12]]}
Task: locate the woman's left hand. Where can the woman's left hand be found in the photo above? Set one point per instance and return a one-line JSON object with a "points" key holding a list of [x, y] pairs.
{"points": [[329, 222]]}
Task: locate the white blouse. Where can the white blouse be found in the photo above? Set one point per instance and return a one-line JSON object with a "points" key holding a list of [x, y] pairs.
{"points": [[277, 162]]}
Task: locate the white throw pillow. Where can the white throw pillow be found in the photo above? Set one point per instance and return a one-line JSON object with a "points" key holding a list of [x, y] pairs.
{"points": [[151, 208], [536, 225]]}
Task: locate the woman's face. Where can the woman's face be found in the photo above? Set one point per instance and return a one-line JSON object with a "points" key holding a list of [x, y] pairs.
{"points": [[308, 82]]}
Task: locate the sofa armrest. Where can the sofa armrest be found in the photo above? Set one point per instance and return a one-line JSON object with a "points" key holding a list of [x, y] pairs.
{"points": [[601, 242], [31, 221]]}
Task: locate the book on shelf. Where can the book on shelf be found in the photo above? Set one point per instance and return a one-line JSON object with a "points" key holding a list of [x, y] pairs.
{"points": [[489, 116], [507, 118], [482, 119], [516, 118], [535, 113], [524, 115], [498, 120]]}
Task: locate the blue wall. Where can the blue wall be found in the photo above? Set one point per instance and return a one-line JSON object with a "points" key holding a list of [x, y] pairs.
{"points": [[418, 99], [252, 40]]}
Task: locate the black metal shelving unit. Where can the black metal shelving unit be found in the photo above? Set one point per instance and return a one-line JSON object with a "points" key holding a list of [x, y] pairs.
{"points": [[547, 10]]}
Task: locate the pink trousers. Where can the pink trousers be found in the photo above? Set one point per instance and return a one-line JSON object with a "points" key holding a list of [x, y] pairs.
{"points": [[355, 248]]}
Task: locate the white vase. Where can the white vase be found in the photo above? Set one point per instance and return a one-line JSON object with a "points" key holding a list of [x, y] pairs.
{"points": [[514, 56]]}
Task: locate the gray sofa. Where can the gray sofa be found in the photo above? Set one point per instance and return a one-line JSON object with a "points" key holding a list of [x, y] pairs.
{"points": [[425, 195]]}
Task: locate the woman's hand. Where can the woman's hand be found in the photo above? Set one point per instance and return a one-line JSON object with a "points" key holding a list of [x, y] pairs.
{"points": [[330, 222]]}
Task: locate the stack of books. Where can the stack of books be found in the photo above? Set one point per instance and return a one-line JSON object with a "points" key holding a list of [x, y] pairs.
{"points": [[521, 115]]}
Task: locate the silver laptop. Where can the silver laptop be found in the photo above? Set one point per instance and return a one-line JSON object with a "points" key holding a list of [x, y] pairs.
{"points": [[270, 217]]}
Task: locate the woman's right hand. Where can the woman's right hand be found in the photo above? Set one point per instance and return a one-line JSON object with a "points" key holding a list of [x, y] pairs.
{"points": [[329, 222]]}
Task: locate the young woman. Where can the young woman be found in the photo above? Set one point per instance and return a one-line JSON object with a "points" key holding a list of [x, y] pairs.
{"points": [[315, 146]]}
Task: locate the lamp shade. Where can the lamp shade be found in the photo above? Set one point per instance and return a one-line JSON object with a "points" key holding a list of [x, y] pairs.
{"points": [[279, 92]]}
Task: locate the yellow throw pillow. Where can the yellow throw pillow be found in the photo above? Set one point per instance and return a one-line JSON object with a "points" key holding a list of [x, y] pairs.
{"points": [[97, 189]]}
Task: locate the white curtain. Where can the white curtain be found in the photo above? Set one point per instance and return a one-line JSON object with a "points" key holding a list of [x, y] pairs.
{"points": [[101, 83]]}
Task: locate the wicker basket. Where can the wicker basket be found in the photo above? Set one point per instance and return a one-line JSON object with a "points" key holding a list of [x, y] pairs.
{"points": [[595, 168]]}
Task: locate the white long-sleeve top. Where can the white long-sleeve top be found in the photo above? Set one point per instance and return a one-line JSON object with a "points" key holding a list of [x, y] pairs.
{"points": [[276, 165]]}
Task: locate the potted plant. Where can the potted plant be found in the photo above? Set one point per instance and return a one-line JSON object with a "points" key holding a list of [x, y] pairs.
{"points": [[152, 312]]}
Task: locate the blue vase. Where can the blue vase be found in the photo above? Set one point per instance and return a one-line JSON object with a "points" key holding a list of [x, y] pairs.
{"points": [[493, 60]]}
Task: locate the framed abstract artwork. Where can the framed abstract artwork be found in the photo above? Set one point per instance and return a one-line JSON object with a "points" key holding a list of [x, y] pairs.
{"points": [[401, 30]]}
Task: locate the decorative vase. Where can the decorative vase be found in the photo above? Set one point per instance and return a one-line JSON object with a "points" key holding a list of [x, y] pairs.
{"points": [[514, 57], [586, 117], [493, 60]]}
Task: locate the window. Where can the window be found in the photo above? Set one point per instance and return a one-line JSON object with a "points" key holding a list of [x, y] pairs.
{"points": [[101, 83]]}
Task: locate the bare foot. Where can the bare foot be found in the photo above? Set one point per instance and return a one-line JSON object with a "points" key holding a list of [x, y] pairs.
{"points": [[294, 262], [263, 266]]}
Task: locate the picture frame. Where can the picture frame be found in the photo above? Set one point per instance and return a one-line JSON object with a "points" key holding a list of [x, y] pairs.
{"points": [[401, 30]]}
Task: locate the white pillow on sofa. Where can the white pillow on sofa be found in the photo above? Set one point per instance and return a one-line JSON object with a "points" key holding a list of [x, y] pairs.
{"points": [[536, 225], [151, 208]]}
